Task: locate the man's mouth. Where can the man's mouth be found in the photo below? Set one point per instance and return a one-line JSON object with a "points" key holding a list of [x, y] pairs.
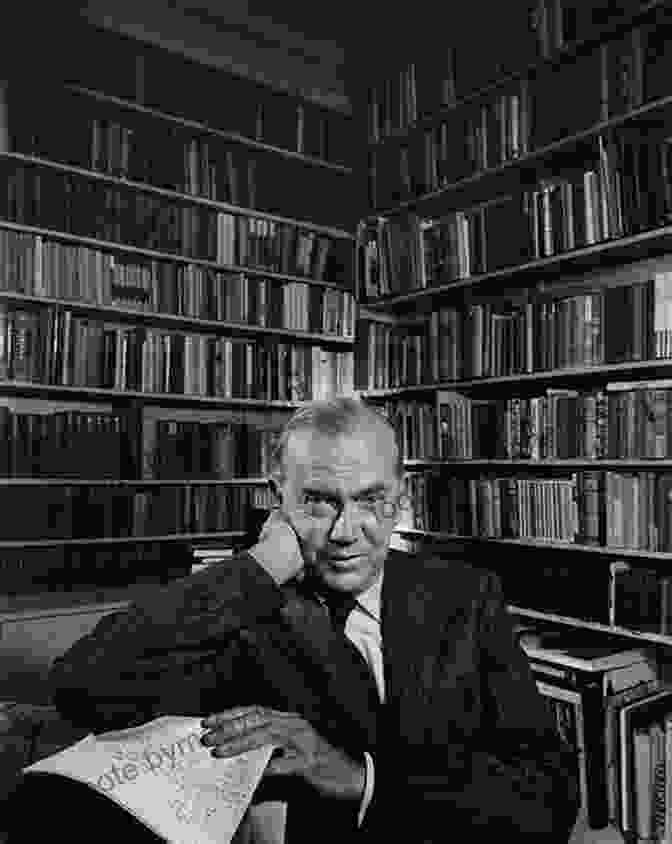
{"points": [[344, 562]]}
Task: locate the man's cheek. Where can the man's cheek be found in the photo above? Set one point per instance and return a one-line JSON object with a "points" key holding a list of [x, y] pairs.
{"points": [[375, 533], [318, 534]]}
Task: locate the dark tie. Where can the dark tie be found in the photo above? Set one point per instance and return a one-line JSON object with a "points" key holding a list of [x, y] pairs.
{"points": [[340, 606]]}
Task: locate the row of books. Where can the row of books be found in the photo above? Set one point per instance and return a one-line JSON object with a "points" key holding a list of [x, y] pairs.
{"points": [[628, 420], [605, 699], [184, 449], [149, 151], [607, 509], [422, 87], [612, 79], [36, 266], [619, 324], [280, 247], [407, 252], [612, 199], [623, 187], [491, 133], [514, 508], [67, 443], [54, 346], [70, 203], [109, 136], [390, 356], [89, 512], [73, 443], [89, 568]]}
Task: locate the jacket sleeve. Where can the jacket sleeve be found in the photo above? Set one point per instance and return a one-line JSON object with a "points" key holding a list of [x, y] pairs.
{"points": [[517, 777], [166, 654]]}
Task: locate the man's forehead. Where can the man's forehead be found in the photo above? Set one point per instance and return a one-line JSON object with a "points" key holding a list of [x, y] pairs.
{"points": [[365, 446]]}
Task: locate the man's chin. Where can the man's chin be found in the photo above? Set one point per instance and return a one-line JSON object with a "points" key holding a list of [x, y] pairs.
{"points": [[345, 575]]}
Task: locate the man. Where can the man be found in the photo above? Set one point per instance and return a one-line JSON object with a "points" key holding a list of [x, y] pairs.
{"points": [[437, 732]]}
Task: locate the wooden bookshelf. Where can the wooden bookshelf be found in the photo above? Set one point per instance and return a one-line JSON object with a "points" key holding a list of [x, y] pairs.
{"points": [[644, 114], [203, 128], [190, 198], [540, 272], [156, 318], [160, 242], [226, 536], [558, 55], [590, 625], [604, 551], [514, 271]]}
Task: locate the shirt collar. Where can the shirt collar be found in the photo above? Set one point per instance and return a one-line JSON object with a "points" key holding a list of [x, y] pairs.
{"points": [[370, 599]]}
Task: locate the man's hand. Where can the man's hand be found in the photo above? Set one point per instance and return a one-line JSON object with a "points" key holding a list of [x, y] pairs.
{"points": [[288, 541], [278, 548], [302, 751]]}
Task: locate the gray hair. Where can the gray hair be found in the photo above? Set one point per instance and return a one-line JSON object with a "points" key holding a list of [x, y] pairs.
{"points": [[333, 417]]}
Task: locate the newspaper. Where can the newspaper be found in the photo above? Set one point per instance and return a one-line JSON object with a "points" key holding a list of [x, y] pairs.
{"points": [[162, 774]]}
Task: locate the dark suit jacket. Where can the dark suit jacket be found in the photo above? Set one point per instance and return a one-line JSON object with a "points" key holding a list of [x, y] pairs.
{"points": [[463, 742]]}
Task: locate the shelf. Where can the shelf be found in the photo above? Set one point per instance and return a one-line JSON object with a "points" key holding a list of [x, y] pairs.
{"points": [[51, 604], [570, 463], [631, 248], [558, 58], [121, 482], [111, 246], [174, 194], [633, 370], [529, 158], [119, 540], [592, 625], [177, 321], [203, 128], [101, 393], [610, 551]]}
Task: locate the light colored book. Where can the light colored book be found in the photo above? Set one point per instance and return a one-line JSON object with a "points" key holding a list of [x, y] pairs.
{"points": [[162, 774]]}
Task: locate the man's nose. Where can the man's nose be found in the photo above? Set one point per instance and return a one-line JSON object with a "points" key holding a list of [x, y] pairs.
{"points": [[343, 528]]}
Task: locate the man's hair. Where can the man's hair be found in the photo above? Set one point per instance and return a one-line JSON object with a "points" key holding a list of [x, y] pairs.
{"points": [[333, 417]]}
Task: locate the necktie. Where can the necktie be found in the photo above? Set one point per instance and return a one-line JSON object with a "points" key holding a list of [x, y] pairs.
{"points": [[340, 606]]}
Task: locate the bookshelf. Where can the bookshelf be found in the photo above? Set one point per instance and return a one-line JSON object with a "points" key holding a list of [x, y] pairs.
{"points": [[513, 269], [172, 287]]}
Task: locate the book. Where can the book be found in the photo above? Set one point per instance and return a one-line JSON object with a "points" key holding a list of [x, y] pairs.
{"points": [[614, 703], [633, 716], [642, 753], [162, 774]]}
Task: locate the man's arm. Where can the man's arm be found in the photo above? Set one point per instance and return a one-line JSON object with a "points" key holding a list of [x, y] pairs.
{"points": [[517, 777], [167, 652]]}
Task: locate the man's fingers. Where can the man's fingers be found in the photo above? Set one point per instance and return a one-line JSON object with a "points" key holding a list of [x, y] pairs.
{"points": [[218, 718], [242, 744]]}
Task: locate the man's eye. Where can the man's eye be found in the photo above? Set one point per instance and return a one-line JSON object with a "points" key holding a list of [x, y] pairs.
{"points": [[318, 498], [370, 501]]}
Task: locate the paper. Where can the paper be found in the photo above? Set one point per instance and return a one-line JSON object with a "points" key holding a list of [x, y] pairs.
{"points": [[162, 774]]}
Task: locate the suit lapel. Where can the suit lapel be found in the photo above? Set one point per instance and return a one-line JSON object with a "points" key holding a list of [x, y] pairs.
{"points": [[416, 604], [334, 672]]}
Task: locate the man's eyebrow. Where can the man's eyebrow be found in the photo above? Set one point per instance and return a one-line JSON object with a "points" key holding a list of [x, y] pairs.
{"points": [[318, 490], [380, 486]]}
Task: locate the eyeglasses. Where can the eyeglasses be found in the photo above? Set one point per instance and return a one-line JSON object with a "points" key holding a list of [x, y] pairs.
{"points": [[379, 506]]}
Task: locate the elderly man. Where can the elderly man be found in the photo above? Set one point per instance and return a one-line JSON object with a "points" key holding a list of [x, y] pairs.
{"points": [[391, 684]]}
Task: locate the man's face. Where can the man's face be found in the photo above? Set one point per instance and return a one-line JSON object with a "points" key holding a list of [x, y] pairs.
{"points": [[346, 488]]}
